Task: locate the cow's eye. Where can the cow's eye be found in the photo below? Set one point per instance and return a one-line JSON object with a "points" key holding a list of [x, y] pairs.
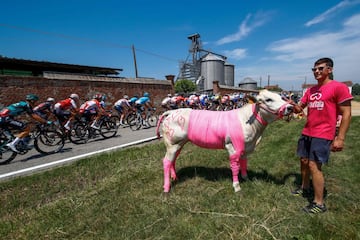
{"points": [[268, 100]]}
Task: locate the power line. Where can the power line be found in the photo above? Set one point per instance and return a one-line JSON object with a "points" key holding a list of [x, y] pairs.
{"points": [[79, 39]]}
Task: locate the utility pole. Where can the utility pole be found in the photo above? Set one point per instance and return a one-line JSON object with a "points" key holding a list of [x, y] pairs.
{"points": [[136, 71]]}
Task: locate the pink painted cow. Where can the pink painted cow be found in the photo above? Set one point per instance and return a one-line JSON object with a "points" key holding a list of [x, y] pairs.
{"points": [[237, 131]]}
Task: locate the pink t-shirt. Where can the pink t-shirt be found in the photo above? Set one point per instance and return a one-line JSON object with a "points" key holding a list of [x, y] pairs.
{"points": [[322, 103]]}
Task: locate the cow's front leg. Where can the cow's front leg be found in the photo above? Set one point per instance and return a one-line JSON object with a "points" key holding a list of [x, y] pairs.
{"points": [[235, 169], [243, 167]]}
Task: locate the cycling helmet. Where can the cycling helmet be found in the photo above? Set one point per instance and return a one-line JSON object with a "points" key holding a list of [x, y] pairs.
{"points": [[98, 96], [32, 97], [169, 95], [146, 94], [126, 96], [74, 96], [50, 99]]}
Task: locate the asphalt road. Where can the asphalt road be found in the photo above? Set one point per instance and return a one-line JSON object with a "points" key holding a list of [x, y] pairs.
{"points": [[33, 161]]}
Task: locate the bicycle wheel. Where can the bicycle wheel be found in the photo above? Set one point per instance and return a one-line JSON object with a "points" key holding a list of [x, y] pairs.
{"points": [[108, 128], [152, 120], [130, 118], [49, 142], [6, 154], [116, 120], [135, 123], [79, 134]]}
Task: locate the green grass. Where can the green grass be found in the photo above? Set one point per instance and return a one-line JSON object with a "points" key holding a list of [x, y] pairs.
{"points": [[119, 195]]}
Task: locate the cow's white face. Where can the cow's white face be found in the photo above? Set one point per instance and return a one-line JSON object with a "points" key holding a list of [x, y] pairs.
{"points": [[274, 103]]}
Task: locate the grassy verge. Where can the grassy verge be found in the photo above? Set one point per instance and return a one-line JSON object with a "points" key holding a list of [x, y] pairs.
{"points": [[119, 195]]}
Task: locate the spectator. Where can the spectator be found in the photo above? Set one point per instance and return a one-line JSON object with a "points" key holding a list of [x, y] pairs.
{"points": [[323, 103]]}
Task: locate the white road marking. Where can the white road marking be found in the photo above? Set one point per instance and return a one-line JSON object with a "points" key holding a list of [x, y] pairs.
{"points": [[46, 165]]}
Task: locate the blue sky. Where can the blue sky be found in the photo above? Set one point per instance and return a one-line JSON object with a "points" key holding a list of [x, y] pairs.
{"points": [[280, 39]]}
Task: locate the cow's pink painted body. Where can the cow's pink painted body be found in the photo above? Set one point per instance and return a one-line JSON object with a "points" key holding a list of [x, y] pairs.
{"points": [[209, 129], [237, 131]]}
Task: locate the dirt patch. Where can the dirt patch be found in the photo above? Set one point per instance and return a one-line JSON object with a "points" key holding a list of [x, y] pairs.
{"points": [[355, 108]]}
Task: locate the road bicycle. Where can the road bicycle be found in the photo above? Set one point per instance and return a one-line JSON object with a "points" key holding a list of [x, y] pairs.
{"points": [[137, 120], [82, 131], [44, 138]]}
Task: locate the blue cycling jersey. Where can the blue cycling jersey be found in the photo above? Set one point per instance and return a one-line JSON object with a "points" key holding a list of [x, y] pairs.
{"points": [[133, 99], [142, 100], [19, 108]]}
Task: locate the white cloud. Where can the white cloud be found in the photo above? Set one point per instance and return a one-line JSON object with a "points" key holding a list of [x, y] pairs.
{"points": [[290, 59], [250, 23], [237, 54], [330, 12], [320, 44]]}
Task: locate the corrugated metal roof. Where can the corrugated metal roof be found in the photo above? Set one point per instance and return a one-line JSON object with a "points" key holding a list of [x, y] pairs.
{"points": [[39, 66]]}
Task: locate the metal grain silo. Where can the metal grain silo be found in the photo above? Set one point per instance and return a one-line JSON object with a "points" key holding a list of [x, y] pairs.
{"points": [[248, 83], [212, 69], [229, 72]]}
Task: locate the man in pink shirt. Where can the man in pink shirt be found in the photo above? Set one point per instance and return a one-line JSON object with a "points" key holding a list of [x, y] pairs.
{"points": [[324, 103]]}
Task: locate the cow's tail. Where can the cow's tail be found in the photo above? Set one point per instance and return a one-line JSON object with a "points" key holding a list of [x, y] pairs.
{"points": [[161, 118]]}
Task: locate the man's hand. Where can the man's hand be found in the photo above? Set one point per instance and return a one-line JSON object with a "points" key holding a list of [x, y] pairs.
{"points": [[337, 145]]}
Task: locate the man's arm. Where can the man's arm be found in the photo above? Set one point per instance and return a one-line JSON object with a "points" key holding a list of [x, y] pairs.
{"points": [[345, 111]]}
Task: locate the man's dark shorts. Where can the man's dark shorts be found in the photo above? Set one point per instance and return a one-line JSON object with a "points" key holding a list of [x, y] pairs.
{"points": [[316, 149]]}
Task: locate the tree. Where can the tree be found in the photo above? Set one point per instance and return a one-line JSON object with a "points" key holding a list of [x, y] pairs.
{"points": [[184, 86], [356, 89]]}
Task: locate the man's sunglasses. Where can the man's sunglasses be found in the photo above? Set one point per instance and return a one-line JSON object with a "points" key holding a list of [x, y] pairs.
{"points": [[318, 68]]}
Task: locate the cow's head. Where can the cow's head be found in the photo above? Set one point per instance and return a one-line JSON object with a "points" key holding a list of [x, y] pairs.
{"points": [[273, 103]]}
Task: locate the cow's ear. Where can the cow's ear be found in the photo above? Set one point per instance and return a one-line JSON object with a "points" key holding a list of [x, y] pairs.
{"points": [[252, 98]]}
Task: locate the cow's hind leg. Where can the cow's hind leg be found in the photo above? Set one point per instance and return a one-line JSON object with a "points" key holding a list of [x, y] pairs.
{"points": [[235, 169], [172, 152]]}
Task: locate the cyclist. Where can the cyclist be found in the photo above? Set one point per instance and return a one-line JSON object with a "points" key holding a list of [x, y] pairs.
{"points": [[45, 109], [204, 101], [194, 101], [8, 114], [65, 110], [143, 104], [122, 106], [93, 110], [165, 103], [177, 101], [133, 100]]}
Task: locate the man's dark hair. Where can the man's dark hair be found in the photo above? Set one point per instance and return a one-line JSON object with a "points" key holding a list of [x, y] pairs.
{"points": [[329, 62]]}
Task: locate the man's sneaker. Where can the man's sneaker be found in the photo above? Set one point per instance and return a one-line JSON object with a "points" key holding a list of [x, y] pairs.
{"points": [[302, 192], [315, 208], [12, 147]]}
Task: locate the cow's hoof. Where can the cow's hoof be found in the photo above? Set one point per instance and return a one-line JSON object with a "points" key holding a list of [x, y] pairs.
{"points": [[245, 177], [237, 187], [165, 196]]}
